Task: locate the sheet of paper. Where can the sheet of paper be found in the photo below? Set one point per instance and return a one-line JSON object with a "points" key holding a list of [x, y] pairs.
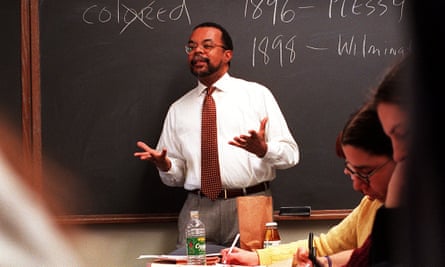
{"points": [[164, 257], [233, 265], [173, 257], [156, 264]]}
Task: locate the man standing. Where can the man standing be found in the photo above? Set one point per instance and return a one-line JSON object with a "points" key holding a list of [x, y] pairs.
{"points": [[244, 138]]}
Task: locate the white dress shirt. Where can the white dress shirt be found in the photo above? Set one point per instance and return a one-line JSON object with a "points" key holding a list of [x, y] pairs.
{"points": [[240, 105]]}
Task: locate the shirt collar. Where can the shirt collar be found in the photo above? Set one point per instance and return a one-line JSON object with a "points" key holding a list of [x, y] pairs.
{"points": [[222, 84]]}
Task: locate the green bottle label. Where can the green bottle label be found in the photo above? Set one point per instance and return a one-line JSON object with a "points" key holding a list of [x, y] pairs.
{"points": [[196, 246]]}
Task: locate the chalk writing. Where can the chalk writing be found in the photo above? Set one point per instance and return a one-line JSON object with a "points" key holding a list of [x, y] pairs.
{"points": [[362, 46], [277, 49], [146, 16], [344, 8], [283, 12], [266, 49], [255, 10]]}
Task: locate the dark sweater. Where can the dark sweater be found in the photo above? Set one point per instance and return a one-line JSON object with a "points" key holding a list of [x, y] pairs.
{"points": [[381, 248]]}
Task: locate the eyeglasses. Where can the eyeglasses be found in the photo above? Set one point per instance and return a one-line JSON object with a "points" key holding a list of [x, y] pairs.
{"points": [[365, 177], [206, 47]]}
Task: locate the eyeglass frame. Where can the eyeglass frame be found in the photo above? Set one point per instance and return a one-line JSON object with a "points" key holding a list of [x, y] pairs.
{"points": [[207, 46], [366, 177]]}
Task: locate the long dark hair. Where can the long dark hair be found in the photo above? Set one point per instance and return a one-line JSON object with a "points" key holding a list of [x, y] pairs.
{"points": [[397, 85], [364, 130]]}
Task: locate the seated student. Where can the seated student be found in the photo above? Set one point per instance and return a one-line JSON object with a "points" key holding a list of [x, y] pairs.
{"points": [[368, 152], [380, 249], [391, 102]]}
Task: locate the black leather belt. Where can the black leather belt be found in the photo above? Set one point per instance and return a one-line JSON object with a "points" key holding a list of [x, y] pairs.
{"points": [[231, 193]]}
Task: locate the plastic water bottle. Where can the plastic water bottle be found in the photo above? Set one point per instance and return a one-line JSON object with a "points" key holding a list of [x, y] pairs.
{"points": [[195, 240]]}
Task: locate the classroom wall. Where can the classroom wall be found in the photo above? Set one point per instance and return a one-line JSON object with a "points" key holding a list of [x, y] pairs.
{"points": [[120, 244]]}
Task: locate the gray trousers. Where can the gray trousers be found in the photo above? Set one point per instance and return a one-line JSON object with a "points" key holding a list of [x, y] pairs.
{"points": [[219, 216]]}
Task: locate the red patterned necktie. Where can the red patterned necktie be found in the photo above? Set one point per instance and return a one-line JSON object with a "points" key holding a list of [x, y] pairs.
{"points": [[210, 173]]}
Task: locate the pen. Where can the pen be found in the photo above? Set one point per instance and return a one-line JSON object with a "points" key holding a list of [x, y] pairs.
{"points": [[231, 247], [312, 251]]}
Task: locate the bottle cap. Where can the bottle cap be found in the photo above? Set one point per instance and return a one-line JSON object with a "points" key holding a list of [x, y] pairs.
{"points": [[271, 224]]}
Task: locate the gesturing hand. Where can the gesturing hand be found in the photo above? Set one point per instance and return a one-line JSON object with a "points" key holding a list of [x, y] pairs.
{"points": [[160, 159], [255, 142]]}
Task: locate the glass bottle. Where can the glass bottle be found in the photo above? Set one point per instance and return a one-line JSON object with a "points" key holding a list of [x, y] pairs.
{"points": [[271, 235]]}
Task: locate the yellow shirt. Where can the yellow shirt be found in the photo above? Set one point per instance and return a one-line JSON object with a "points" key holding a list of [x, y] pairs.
{"points": [[350, 233]]}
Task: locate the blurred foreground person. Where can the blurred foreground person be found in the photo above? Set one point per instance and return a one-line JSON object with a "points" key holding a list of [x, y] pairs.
{"points": [[28, 235]]}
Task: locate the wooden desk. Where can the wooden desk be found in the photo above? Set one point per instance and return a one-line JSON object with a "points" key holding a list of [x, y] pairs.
{"points": [[316, 215]]}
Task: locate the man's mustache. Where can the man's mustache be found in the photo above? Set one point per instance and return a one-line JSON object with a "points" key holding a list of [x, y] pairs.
{"points": [[199, 58]]}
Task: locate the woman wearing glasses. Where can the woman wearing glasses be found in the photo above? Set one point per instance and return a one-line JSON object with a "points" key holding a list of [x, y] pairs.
{"points": [[367, 152]]}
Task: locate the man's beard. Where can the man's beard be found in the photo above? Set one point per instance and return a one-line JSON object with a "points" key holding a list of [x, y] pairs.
{"points": [[210, 68]]}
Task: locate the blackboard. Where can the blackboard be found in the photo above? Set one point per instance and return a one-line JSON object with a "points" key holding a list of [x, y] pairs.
{"points": [[111, 68], [10, 71]]}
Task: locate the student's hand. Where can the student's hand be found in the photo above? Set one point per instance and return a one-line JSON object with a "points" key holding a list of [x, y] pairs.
{"points": [[240, 257], [255, 142], [160, 159], [301, 258]]}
